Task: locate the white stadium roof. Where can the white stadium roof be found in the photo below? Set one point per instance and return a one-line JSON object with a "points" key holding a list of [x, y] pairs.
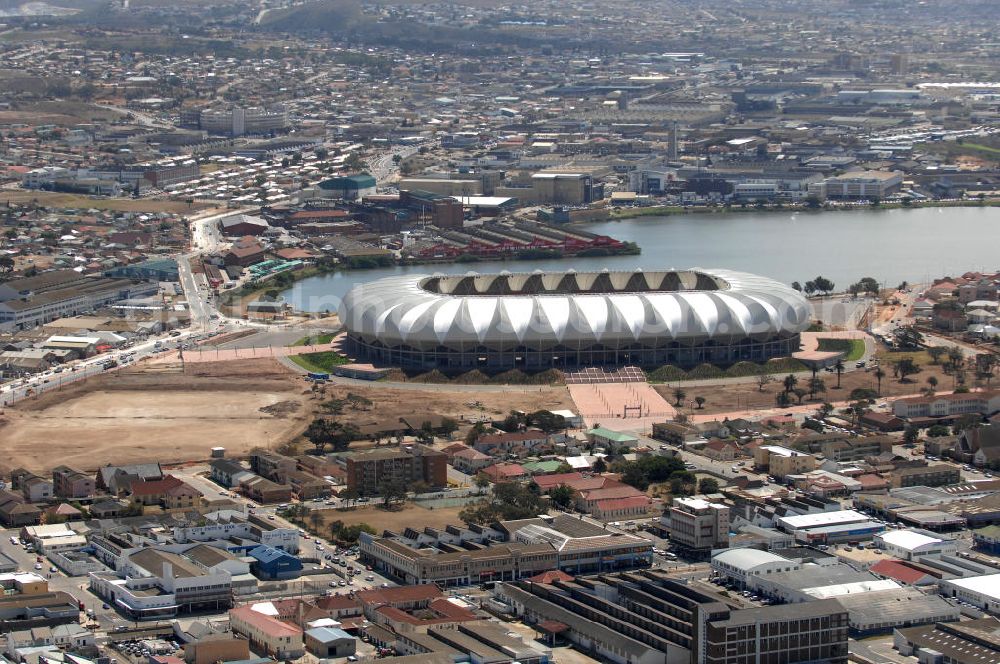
{"points": [[540, 309]]}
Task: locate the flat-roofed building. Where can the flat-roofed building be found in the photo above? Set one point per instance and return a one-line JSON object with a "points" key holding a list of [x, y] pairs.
{"points": [[698, 524], [370, 471], [649, 618]]}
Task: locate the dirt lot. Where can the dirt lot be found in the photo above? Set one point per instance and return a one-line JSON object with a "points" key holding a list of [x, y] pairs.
{"points": [[163, 415], [379, 519], [389, 404], [55, 199], [157, 412]]}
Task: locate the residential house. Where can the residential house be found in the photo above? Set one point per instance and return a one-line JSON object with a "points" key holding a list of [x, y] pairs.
{"points": [[470, 461], [264, 491], [35, 489], [720, 450], [506, 472], [505, 443], [675, 433], [71, 483]]}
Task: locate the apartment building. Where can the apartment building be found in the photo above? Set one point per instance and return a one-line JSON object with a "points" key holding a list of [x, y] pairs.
{"points": [[982, 403], [369, 471], [271, 465], [71, 483], [933, 475], [35, 489], [242, 120], [698, 524], [781, 461], [266, 633]]}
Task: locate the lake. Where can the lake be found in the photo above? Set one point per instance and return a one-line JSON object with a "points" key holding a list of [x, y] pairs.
{"points": [[915, 245]]}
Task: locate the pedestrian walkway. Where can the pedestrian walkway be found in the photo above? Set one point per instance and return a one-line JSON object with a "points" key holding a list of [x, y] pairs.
{"points": [[629, 406], [200, 355]]}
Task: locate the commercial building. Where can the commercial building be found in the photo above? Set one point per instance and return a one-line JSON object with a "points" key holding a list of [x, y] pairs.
{"points": [[698, 525], [860, 185], [241, 120], [830, 527], [740, 565], [31, 301], [370, 471], [914, 544], [459, 556], [573, 319], [329, 642], [649, 618], [156, 582]]}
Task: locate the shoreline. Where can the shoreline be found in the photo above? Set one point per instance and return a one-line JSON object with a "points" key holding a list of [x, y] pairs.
{"points": [[673, 210]]}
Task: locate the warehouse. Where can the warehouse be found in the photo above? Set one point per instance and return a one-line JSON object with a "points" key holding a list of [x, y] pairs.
{"points": [[913, 544], [830, 527], [742, 564], [980, 591]]}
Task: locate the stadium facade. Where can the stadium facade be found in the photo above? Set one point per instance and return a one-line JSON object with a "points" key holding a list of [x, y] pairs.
{"points": [[535, 321]]}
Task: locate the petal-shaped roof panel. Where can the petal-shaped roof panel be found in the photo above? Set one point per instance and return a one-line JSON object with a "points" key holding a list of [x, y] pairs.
{"points": [[578, 308]]}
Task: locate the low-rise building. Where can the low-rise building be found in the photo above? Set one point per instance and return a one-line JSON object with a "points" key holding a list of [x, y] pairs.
{"points": [[943, 405], [266, 633], [71, 483], [914, 544]]}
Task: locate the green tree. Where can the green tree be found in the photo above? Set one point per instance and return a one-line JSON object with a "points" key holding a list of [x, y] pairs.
{"points": [[708, 485], [700, 401], [393, 494], [679, 395], [477, 430], [763, 380], [816, 386], [910, 435], [790, 382], [323, 432], [904, 368], [879, 375], [799, 394], [482, 482], [562, 496], [599, 466], [936, 353]]}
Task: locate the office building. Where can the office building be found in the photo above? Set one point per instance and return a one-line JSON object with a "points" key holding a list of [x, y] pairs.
{"points": [[649, 618]]}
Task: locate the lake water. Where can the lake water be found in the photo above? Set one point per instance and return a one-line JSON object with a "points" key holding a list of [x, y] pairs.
{"points": [[915, 245]]}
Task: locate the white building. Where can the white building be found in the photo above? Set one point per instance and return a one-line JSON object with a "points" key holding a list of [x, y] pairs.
{"points": [[980, 591], [913, 544], [741, 565], [699, 524]]}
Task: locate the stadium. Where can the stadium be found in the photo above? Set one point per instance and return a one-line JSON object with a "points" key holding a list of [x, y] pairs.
{"points": [[572, 319]]}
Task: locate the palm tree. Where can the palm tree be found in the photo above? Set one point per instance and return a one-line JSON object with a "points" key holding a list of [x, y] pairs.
{"points": [[839, 367], [879, 375], [790, 382]]}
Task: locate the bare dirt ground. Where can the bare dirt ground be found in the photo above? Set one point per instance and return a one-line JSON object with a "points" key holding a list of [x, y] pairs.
{"points": [[56, 199], [390, 403], [156, 412], [160, 415], [410, 515]]}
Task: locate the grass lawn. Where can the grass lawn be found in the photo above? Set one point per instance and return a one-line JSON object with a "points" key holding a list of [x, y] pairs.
{"points": [[853, 349], [323, 362], [315, 340]]}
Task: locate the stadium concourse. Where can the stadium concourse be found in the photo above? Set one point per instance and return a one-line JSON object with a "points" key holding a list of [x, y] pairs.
{"points": [[620, 399]]}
